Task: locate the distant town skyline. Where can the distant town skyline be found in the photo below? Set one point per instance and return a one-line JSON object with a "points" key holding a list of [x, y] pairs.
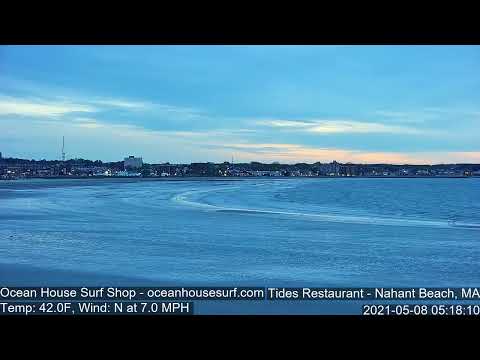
{"points": [[289, 104]]}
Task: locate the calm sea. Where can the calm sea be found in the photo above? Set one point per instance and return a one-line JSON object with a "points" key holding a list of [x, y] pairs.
{"points": [[267, 232]]}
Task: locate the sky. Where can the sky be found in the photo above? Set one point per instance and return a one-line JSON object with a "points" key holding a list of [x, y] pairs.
{"points": [[290, 104]]}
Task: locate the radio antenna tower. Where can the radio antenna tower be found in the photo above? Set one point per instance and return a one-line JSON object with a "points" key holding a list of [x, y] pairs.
{"points": [[63, 148]]}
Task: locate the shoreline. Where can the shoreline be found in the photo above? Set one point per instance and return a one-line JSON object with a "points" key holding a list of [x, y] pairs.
{"points": [[232, 178]]}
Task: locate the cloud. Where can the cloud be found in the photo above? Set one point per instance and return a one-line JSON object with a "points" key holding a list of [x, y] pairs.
{"points": [[124, 104], [87, 123], [294, 153], [338, 126], [360, 127], [139, 132], [84, 119], [40, 107], [160, 109], [285, 123], [61, 107], [134, 105]]}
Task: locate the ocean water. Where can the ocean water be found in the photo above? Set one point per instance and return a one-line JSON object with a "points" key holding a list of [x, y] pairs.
{"points": [[265, 232]]}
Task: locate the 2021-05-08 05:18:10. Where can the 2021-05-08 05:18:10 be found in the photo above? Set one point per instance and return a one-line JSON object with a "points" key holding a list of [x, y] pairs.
{"points": [[421, 309]]}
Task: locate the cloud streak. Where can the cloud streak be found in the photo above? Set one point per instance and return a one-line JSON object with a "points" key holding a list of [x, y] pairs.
{"points": [[40, 107], [338, 126], [57, 107], [123, 104]]}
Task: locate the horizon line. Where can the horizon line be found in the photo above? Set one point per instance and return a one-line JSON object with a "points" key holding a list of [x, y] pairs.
{"points": [[248, 162]]}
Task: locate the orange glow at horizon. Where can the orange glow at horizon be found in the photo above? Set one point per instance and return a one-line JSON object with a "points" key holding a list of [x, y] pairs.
{"points": [[296, 154]]}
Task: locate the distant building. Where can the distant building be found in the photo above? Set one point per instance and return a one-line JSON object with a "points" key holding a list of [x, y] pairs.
{"points": [[0, 155], [127, 174], [132, 162]]}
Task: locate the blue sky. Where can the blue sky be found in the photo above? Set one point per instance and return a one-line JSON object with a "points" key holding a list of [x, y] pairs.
{"points": [[396, 104]]}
